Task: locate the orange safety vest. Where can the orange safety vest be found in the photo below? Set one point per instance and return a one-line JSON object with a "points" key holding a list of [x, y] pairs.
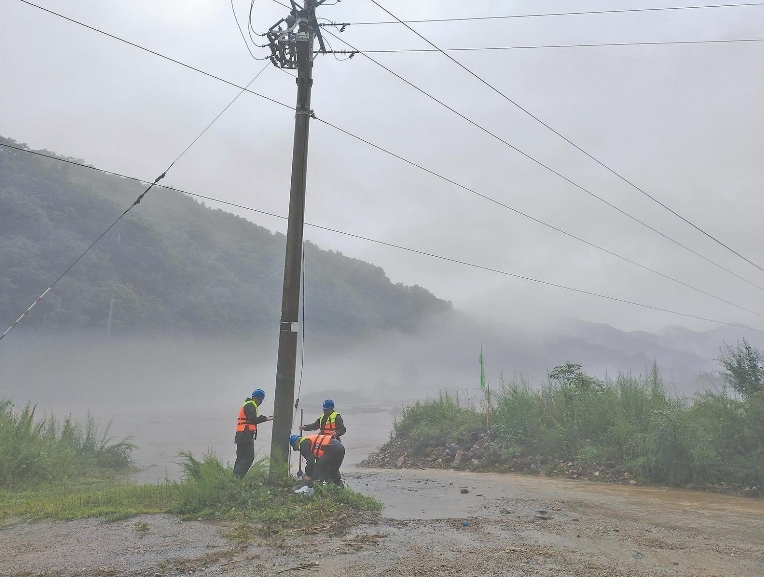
{"points": [[329, 425], [317, 444], [242, 424]]}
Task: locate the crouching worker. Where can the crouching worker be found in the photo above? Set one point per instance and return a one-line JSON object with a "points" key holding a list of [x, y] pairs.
{"points": [[323, 457]]}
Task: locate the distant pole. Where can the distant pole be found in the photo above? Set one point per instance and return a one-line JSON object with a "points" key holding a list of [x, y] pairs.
{"points": [[283, 403], [108, 325]]}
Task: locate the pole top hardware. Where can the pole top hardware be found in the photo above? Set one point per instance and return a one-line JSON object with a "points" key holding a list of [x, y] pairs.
{"points": [[284, 35]]}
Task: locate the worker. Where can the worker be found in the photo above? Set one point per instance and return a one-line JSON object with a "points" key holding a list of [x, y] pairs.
{"points": [[329, 423], [323, 456], [246, 432]]}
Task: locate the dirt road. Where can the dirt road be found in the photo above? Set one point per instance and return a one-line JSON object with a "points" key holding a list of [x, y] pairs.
{"points": [[435, 523]]}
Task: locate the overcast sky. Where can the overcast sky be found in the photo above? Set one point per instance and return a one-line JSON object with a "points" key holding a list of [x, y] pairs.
{"points": [[683, 122]]}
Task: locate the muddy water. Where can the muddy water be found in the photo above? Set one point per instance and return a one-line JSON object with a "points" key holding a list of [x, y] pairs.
{"points": [[173, 396], [160, 437]]}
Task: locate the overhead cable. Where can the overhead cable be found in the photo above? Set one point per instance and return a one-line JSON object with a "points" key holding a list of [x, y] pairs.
{"points": [[537, 119], [529, 157], [392, 245], [348, 133], [537, 46], [128, 209], [548, 14], [173, 60]]}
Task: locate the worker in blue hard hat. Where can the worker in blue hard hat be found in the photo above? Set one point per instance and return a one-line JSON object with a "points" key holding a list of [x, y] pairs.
{"points": [[246, 432], [329, 422], [323, 456]]}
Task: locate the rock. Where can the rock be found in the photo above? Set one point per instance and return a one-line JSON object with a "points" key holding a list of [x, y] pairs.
{"points": [[399, 462], [464, 491], [458, 458]]}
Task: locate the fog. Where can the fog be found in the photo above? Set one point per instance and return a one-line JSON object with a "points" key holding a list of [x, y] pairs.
{"points": [[181, 394], [683, 122]]}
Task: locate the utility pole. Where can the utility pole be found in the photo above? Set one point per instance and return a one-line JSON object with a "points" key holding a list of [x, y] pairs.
{"points": [[292, 48]]}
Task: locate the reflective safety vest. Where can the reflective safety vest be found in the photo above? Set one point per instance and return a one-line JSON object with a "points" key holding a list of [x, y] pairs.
{"points": [[242, 425], [328, 424], [317, 444]]}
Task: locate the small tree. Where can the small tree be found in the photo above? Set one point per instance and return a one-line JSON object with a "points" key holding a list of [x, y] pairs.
{"points": [[743, 368]]}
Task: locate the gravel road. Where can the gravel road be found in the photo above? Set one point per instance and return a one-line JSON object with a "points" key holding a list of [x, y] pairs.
{"points": [[435, 523]]}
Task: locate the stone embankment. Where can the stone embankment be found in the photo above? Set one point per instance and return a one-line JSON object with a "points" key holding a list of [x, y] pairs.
{"points": [[481, 453]]}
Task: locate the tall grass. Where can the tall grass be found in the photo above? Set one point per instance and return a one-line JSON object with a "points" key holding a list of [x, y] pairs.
{"points": [[36, 451], [437, 421], [629, 422]]}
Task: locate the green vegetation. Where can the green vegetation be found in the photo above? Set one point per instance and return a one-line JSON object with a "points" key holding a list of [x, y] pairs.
{"points": [[208, 491], [45, 451], [71, 471], [172, 266], [628, 423]]}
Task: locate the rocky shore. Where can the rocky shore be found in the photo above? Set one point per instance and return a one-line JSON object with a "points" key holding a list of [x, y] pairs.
{"points": [[482, 453]]}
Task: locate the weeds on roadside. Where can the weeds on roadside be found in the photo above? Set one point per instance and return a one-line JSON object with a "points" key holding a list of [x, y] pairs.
{"points": [[207, 491], [35, 452], [629, 422]]}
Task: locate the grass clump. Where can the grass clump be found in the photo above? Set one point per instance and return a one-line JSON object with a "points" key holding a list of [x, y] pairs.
{"points": [[209, 491], [36, 452]]}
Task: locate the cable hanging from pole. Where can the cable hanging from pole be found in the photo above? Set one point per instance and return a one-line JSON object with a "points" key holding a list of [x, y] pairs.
{"points": [[566, 139], [348, 133], [554, 14], [667, 277], [526, 155], [388, 244], [128, 209], [543, 46]]}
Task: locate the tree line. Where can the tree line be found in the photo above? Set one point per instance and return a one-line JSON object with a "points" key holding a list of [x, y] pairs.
{"points": [[172, 265]]}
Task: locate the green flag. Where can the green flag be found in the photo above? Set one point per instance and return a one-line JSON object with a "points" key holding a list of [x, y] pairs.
{"points": [[482, 369]]}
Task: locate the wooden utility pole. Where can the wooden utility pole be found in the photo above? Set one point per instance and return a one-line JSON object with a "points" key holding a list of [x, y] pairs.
{"points": [[283, 403]]}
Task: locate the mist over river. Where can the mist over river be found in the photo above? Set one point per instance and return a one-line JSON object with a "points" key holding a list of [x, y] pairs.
{"points": [[184, 395]]}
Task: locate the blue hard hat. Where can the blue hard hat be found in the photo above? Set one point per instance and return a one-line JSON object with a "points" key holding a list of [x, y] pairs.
{"points": [[258, 394], [292, 439], [328, 404]]}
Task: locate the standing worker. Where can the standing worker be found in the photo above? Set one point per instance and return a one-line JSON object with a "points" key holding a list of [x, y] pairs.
{"points": [[329, 423], [323, 457], [246, 433]]}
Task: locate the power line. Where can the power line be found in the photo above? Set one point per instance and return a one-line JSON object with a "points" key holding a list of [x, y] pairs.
{"points": [[173, 60], [388, 244], [236, 18], [537, 119], [529, 157], [393, 245], [537, 46], [547, 14], [128, 209], [348, 133]]}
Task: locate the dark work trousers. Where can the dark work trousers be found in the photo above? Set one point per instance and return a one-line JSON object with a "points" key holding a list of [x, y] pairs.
{"points": [[245, 456], [328, 466]]}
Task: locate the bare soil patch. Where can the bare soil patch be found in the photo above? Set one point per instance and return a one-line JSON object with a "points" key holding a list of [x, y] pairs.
{"points": [[436, 522]]}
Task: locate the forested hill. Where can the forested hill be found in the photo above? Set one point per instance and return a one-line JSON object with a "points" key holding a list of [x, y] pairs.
{"points": [[171, 266]]}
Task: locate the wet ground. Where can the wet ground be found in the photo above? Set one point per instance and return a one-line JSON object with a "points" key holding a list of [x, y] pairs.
{"points": [[434, 523]]}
